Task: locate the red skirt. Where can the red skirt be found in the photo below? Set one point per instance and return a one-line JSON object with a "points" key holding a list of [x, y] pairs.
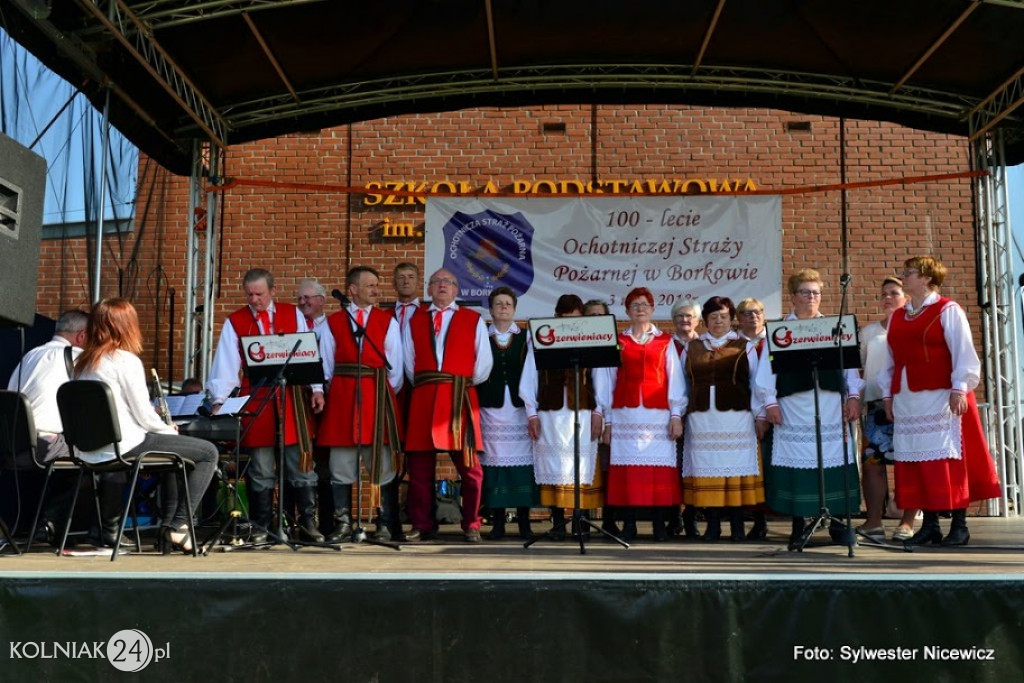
{"points": [[637, 485], [950, 484]]}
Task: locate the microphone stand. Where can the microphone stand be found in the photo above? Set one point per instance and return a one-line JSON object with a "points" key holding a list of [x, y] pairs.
{"points": [[849, 536], [359, 333]]}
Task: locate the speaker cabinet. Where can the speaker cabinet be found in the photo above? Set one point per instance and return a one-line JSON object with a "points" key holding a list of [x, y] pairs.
{"points": [[22, 182]]}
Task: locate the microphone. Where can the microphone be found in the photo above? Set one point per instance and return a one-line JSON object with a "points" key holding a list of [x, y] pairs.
{"points": [[845, 280], [342, 299]]}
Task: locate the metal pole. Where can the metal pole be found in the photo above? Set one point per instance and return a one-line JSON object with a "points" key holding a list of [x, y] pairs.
{"points": [[103, 197]]}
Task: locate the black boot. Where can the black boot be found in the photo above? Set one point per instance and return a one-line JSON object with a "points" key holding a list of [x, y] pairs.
{"points": [[930, 531], [497, 524], [260, 503], [608, 516], [958, 533], [713, 532], [759, 531], [557, 524], [628, 523], [690, 532], [387, 524], [523, 521], [305, 500], [110, 491], [579, 527], [342, 494], [736, 525], [658, 524], [799, 524]]}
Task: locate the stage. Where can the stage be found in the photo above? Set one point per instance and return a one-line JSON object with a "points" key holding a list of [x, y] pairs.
{"points": [[450, 611]]}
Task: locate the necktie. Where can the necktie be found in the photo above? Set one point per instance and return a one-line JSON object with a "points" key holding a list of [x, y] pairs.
{"points": [[437, 323], [401, 314], [309, 324], [360, 320], [265, 322]]}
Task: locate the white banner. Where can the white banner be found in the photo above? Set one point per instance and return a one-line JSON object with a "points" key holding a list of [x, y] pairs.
{"points": [[602, 247]]}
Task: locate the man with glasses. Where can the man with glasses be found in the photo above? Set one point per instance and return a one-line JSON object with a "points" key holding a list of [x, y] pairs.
{"points": [[789, 399], [311, 298], [447, 353]]}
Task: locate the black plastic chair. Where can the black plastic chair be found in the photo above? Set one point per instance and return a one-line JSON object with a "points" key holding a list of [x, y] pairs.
{"points": [[90, 424]]}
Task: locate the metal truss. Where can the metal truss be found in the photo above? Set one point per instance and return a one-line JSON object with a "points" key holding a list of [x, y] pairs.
{"points": [[201, 264], [137, 38], [1000, 322]]}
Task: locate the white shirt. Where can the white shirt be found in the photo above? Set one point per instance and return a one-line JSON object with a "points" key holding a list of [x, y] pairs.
{"points": [[225, 372], [481, 345], [404, 311], [41, 372], [123, 372], [392, 348]]}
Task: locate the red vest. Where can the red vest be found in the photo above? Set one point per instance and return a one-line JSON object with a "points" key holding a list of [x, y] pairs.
{"points": [[919, 345], [338, 424], [429, 426], [642, 378], [261, 434]]}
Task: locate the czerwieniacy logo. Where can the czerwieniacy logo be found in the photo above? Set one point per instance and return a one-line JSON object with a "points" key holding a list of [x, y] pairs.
{"points": [[127, 650]]}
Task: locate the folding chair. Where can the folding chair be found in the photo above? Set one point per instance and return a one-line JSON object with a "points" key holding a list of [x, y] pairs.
{"points": [[90, 424]]}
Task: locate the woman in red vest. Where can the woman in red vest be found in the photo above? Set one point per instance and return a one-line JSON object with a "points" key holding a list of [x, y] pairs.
{"points": [[942, 461], [647, 396]]}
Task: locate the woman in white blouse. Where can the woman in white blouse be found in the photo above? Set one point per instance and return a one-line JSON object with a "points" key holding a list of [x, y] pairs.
{"points": [[112, 347]]}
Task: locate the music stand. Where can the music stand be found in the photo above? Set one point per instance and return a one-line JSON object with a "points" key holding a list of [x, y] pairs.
{"points": [[572, 343], [824, 343], [283, 359]]}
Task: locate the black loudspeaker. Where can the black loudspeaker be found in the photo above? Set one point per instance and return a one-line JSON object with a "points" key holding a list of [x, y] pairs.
{"points": [[22, 181]]}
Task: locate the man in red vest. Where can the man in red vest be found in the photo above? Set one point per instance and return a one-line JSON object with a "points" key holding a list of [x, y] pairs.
{"points": [[361, 413], [263, 315], [446, 354]]}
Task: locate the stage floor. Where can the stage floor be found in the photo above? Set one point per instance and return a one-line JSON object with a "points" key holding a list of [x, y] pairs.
{"points": [[996, 550]]}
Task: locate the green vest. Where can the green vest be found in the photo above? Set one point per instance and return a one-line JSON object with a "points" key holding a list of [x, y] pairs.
{"points": [[508, 368], [789, 383]]}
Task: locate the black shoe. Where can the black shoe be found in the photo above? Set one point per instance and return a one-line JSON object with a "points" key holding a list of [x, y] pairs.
{"points": [[628, 530], [381, 533], [689, 530], [759, 531], [108, 539], [496, 533], [957, 536], [837, 532], [713, 532], [930, 531], [308, 532], [342, 532], [736, 534]]}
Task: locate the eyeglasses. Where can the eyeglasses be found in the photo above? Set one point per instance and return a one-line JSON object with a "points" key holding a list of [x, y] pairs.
{"points": [[907, 272], [751, 313], [809, 293], [442, 281], [639, 306]]}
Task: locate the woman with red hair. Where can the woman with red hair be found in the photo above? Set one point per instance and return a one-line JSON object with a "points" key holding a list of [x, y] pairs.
{"points": [[647, 396], [113, 344], [927, 381]]}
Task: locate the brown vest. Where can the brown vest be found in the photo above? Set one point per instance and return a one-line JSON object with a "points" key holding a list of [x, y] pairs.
{"points": [[725, 368]]}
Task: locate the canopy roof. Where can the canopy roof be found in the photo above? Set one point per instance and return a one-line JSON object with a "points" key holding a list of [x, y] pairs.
{"points": [[235, 70]]}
